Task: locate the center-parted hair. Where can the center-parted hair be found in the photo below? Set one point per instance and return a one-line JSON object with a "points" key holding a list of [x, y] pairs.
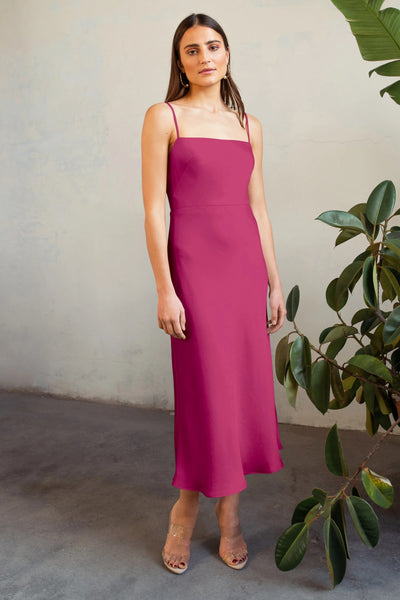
{"points": [[229, 90]]}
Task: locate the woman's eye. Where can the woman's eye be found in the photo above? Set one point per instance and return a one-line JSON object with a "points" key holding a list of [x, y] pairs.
{"points": [[191, 51], [214, 47]]}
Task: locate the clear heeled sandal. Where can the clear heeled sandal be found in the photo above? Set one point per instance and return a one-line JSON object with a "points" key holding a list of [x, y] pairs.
{"points": [[184, 533], [238, 556]]}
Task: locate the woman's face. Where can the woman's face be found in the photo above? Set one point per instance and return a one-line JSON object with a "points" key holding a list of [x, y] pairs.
{"points": [[203, 55]]}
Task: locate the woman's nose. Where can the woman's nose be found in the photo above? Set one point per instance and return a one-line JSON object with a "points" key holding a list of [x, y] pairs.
{"points": [[204, 57]]}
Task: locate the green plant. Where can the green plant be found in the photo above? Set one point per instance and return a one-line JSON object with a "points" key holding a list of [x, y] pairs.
{"points": [[378, 36], [370, 377]]}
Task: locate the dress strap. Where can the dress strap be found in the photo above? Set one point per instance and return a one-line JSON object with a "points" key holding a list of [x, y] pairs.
{"points": [[247, 126], [176, 122]]}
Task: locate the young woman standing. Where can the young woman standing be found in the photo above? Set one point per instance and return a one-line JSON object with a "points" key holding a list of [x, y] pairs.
{"points": [[212, 275]]}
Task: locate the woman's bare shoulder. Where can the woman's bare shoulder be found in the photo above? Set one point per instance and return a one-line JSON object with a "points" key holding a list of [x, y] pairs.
{"points": [[255, 127], [158, 111], [158, 118], [254, 122]]}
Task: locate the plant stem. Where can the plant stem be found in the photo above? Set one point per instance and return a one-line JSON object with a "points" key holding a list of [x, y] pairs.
{"points": [[333, 362], [371, 453], [360, 468]]}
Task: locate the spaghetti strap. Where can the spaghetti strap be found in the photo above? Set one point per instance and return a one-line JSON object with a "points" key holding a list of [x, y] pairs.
{"points": [[247, 126], [176, 122]]}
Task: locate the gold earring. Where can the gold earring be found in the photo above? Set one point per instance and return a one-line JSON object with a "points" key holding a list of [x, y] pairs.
{"points": [[181, 80], [228, 72]]}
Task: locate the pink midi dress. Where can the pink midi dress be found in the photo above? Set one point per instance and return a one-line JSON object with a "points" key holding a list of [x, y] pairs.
{"points": [[225, 422]]}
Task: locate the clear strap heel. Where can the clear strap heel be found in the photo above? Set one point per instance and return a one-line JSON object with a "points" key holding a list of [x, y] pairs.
{"points": [[173, 558], [237, 557]]}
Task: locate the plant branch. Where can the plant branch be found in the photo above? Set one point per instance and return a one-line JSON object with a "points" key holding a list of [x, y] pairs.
{"points": [[335, 363]]}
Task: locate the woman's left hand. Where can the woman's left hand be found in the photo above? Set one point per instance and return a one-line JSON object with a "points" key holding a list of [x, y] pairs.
{"points": [[278, 310]]}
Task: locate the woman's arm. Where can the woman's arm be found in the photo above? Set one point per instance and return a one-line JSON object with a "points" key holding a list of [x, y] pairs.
{"points": [[258, 206], [156, 134]]}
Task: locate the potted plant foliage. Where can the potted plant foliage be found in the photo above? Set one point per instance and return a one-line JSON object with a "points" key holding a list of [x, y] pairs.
{"points": [[371, 376]]}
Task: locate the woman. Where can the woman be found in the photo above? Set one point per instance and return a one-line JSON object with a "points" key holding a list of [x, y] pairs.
{"points": [[212, 276]]}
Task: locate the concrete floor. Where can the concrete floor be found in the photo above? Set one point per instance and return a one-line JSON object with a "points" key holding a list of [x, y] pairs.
{"points": [[86, 491]]}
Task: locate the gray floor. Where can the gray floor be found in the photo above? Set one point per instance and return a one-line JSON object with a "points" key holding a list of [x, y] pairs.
{"points": [[86, 491]]}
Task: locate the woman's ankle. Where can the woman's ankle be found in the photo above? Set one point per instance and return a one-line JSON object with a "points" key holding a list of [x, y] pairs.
{"points": [[185, 511]]}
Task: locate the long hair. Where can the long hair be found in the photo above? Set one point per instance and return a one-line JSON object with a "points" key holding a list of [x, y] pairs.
{"points": [[229, 90]]}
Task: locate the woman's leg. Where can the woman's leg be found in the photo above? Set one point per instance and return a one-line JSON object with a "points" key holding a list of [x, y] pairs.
{"points": [[183, 516], [232, 547]]}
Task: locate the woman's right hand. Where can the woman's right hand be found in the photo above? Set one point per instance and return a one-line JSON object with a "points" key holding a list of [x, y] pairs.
{"points": [[171, 314]]}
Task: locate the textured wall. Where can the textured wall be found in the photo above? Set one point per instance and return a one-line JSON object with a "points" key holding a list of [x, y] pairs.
{"points": [[78, 301]]}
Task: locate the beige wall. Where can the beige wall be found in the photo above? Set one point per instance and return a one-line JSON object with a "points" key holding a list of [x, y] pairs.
{"points": [[79, 306]]}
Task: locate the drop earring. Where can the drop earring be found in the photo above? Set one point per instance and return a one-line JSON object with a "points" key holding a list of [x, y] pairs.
{"points": [[228, 72], [181, 80]]}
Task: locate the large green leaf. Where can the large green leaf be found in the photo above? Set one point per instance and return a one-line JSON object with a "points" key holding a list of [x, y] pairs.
{"points": [[383, 401], [348, 278], [342, 219], [381, 201], [321, 496], [291, 387], [336, 332], [360, 211], [337, 384], [371, 364], [346, 235], [393, 90], [300, 361], [377, 33], [282, 358], [391, 330], [369, 395], [335, 347], [337, 514], [390, 258], [320, 385], [371, 422], [393, 244], [388, 292], [334, 301], [369, 325], [370, 282], [364, 519], [292, 303], [291, 546], [334, 457], [392, 279], [390, 69], [361, 315], [323, 500], [378, 488], [303, 508], [335, 551], [377, 340], [337, 404]]}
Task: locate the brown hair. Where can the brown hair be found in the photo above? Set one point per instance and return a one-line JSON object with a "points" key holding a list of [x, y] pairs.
{"points": [[229, 90]]}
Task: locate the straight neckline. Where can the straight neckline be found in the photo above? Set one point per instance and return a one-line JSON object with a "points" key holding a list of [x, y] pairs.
{"points": [[208, 138]]}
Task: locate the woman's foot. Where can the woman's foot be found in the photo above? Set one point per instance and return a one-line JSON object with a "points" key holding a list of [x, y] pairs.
{"points": [[232, 547], [176, 551]]}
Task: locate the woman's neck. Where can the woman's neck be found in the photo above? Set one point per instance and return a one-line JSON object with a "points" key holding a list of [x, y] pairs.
{"points": [[208, 98]]}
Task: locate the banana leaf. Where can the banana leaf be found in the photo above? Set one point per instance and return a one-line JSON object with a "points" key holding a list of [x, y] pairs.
{"points": [[377, 33]]}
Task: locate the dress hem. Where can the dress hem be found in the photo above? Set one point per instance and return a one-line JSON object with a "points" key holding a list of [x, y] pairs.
{"points": [[225, 493]]}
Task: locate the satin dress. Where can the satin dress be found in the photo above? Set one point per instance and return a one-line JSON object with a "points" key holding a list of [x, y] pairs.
{"points": [[225, 422]]}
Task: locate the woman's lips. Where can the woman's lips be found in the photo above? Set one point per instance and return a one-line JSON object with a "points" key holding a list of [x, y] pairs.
{"points": [[207, 70]]}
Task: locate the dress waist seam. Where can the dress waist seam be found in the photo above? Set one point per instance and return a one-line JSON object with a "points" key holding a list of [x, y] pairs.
{"points": [[193, 207]]}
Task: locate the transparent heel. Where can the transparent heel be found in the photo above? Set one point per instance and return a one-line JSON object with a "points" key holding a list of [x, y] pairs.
{"points": [[237, 556], [173, 560]]}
